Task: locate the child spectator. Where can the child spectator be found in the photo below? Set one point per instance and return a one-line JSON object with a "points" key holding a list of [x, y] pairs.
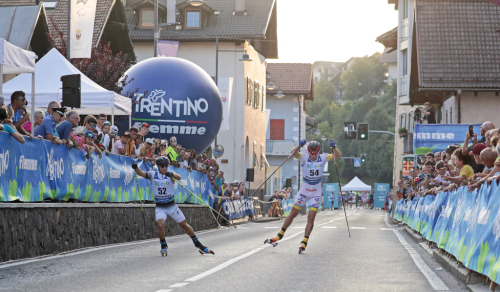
{"points": [[138, 145], [130, 145], [104, 138], [100, 122], [4, 116]]}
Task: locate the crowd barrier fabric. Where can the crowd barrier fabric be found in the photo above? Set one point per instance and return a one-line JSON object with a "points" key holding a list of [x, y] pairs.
{"points": [[381, 191], [38, 170], [238, 208], [327, 192], [286, 205], [465, 224]]}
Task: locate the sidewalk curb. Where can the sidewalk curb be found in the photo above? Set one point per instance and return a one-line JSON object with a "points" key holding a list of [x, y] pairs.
{"points": [[448, 264]]}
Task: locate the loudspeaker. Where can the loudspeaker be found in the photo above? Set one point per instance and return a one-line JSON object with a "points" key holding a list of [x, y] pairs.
{"points": [[250, 173], [71, 91], [288, 183]]}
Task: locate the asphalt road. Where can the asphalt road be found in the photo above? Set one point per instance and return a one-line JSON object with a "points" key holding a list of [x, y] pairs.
{"points": [[378, 257]]}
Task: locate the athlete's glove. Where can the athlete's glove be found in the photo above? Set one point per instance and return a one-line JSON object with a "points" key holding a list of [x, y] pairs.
{"points": [[302, 142], [332, 144], [134, 166], [169, 174]]}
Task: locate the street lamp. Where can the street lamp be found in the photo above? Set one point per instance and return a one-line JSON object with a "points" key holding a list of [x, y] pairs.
{"points": [[279, 94], [270, 86], [246, 57], [317, 132], [322, 140], [196, 2]]}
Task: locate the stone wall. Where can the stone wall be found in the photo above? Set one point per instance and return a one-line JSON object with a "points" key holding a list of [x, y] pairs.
{"points": [[34, 229]]}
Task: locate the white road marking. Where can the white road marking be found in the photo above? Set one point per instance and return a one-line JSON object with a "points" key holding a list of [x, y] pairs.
{"points": [[178, 285], [433, 279], [386, 228], [164, 290], [91, 249], [329, 227], [236, 259], [358, 227]]}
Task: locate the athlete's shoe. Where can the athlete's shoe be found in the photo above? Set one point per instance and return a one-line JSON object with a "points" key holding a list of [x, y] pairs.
{"points": [[274, 240], [206, 250], [303, 245], [203, 249], [164, 252], [164, 247]]}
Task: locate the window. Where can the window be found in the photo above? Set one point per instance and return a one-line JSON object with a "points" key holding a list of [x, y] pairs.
{"points": [[277, 130], [193, 19], [256, 94], [405, 62], [411, 122], [249, 90], [263, 99], [147, 18], [402, 121]]}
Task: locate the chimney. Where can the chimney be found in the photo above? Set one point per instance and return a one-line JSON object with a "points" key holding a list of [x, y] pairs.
{"points": [[171, 11], [239, 6]]}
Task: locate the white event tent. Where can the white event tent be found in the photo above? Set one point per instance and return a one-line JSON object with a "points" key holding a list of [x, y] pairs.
{"points": [[94, 98], [356, 185], [14, 60]]}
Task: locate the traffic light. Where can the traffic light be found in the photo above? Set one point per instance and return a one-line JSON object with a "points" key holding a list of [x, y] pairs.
{"points": [[362, 131], [363, 158]]}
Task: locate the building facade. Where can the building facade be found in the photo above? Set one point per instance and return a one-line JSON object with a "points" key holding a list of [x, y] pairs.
{"points": [[231, 28], [293, 85]]}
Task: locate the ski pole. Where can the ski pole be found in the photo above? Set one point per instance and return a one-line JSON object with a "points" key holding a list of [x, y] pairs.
{"points": [[251, 196], [340, 190], [204, 203]]}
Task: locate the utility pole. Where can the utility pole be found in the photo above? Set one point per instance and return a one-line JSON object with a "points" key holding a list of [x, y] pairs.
{"points": [[68, 38]]}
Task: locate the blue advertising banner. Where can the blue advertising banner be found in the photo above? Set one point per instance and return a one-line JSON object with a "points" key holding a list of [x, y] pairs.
{"points": [[417, 216], [286, 205], [429, 216], [434, 214], [38, 170], [331, 191], [436, 137], [445, 222], [381, 191], [238, 208]]}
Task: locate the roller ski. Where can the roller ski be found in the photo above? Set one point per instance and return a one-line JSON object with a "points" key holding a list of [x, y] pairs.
{"points": [[303, 245], [164, 247], [274, 241], [202, 249]]}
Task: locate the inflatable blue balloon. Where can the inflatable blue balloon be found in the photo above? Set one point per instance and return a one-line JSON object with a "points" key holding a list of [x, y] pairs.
{"points": [[176, 98]]}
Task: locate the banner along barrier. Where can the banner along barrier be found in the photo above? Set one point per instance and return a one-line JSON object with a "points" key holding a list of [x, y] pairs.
{"points": [[381, 191], [286, 205], [238, 208], [328, 191], [465, 224], [38, 170]]}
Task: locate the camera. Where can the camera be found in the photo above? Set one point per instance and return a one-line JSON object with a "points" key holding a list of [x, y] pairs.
{"points": [[417, 113]]}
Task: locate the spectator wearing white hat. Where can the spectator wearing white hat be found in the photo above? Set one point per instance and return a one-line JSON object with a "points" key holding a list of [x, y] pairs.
{"points": [[148, 149]]}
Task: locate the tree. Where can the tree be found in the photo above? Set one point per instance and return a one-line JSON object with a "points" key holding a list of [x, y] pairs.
{"points": [[365, 76], [104, 67]]}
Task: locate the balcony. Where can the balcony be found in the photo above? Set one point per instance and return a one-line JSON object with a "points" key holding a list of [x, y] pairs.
{"points": [[279, 147]]}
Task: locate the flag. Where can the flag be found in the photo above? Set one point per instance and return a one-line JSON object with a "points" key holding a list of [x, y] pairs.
{"points": [[82, 27], [167, 48]]}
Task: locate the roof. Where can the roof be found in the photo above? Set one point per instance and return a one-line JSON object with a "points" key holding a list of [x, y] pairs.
{"points": [[292, 78], [389, 40], [453, 53], [60, 15], [256, 24], [18, 24]]}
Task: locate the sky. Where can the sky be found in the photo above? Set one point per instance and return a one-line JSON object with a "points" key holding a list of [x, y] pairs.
{"points": [[331, 30]]}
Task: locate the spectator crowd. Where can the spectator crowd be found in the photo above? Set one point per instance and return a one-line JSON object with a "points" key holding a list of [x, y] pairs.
{"points": [[472, 164], [97, 134]]}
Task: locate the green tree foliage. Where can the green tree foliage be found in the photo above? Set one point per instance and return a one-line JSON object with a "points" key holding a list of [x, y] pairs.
{"points": [[364, 76], [377, 109]]}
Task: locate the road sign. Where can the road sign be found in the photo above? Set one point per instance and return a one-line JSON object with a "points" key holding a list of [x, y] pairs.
{"points": [[350, 130], [357, 162]]}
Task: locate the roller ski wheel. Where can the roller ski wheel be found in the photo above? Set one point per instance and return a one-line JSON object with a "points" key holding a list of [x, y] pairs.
{"points": [[301, 249], [164, 252], [272, 242], [207, 251]]}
